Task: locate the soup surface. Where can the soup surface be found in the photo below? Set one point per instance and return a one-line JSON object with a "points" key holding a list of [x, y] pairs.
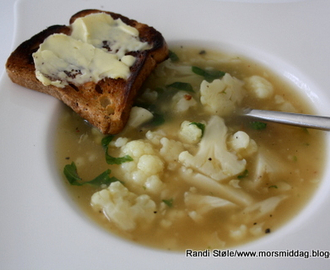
{"points": [[187, 172]]}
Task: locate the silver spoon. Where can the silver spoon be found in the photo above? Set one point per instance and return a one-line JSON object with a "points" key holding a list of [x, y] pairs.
{"points": [[295, 119]]}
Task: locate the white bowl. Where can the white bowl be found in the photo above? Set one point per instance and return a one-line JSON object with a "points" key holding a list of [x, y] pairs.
{"points": [[41, 227]]}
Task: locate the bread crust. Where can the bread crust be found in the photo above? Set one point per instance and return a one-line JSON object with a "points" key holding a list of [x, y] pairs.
{"points": [[107, 103]]}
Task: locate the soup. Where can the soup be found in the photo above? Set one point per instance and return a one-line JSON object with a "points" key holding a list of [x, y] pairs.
{"points": [[188, 172]]}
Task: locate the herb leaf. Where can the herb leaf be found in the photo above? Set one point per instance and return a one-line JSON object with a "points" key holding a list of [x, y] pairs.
{"points": [[181, 86], [71, 174], [198, 70], [209, 75], [157, 120], [173, 56], [169, 202], [200, 126], [243, 174], [110, 159], [106, 140], [117, 160], [256, 125]]}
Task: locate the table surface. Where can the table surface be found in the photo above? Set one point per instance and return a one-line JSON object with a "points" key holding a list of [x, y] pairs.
{"points": [[6, 31]]}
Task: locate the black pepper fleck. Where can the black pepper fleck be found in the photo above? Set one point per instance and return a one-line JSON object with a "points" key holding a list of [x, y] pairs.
{"points": [[267, 230]]}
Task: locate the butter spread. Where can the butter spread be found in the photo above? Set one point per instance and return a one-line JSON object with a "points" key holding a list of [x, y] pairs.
{"points": [[96, 49]]}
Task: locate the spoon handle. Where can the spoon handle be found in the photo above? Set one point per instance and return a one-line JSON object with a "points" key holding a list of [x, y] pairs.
{"points": [[296, 119]]}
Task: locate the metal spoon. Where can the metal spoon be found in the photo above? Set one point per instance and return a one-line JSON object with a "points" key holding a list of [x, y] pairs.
{"points": [[295, 119]]}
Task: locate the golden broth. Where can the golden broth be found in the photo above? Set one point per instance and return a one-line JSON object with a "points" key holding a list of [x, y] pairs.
{"points": [[298, 164]]}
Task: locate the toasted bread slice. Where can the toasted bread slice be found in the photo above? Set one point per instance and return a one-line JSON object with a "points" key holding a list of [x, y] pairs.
{"points": [[107, 103]]}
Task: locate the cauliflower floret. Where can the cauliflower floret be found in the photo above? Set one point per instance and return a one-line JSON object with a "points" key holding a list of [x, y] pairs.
{"points": [[259, 86], [213, 158], [124, 208], [210, 186], [264, 207], [240, 140], [172, 216], [145, 169], [153, 184], [155, 136], [119, 142], [267, 166], [137, 148], [168, 66], [190, 133], [170, 151], [222, 95], [150, 164], [235, 183], [182, 101], [199, 205], [239, 233], [149, 95], [284, 105], [257, 229], [241, 143], [138, 116]]}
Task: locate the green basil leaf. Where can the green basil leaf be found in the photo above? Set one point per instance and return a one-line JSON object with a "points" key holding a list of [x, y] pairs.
{"points": [[212, 75], [103, 179], [106, 140], [110, 159], [157, 120], [70, 171], [117, 160], [197, 70], [181, 86], [169, 202], [173, 56], [209, 75], [243, 174], [256, 125]]}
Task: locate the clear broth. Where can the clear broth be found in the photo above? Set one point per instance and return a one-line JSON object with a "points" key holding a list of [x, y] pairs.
{"points": [[301, 151]]}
